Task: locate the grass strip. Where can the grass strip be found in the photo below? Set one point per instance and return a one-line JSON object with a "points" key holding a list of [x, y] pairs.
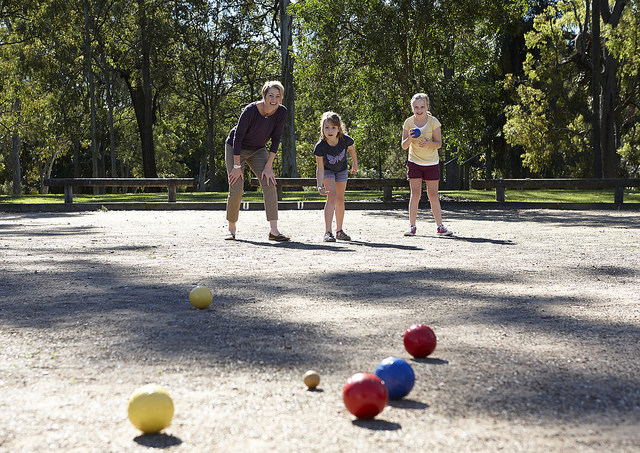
{"points": [[550, 196]]}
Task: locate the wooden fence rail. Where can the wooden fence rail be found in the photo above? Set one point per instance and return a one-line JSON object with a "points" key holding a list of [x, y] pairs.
{"points": [[69, 183], [360, 183], [500, 185]]}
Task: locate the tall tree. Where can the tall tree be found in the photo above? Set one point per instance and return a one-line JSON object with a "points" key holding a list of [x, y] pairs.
{"points": [[140, 86], [595, 85], [16, 141], [92, 89], [558, 114], [145, 61], [289, 166], [609, 95]]}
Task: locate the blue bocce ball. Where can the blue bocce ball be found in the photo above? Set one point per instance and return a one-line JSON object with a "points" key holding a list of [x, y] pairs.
{"points": [[397, 375], [415, 133]]}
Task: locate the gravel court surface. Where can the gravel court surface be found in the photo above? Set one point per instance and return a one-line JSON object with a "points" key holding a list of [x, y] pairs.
{"points": [[536, 313]]}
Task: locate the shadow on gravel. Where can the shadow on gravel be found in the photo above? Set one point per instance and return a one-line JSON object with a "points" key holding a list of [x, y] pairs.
{"points": [[331, 246], [377, 425], [430, 361], [154, 323], [160, 440], [544, 217], [451, 214], [457, 237], [407, 403]]}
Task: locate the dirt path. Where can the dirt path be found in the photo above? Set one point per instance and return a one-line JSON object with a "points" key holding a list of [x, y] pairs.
{"points": [[536, 312]]}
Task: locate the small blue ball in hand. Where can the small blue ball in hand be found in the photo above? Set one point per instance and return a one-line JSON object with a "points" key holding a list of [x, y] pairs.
{"points": [[415, 133]]}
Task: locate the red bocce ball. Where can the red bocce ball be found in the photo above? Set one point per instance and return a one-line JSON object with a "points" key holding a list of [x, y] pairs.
{"points": [[419, 340], [365, 395]]}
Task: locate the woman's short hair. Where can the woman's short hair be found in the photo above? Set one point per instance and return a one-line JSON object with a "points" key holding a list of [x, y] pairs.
{"points": [[335, 120], [272, 84]]}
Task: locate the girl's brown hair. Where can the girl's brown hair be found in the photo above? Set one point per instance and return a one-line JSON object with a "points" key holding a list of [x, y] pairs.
{"points": [[335, 120]]}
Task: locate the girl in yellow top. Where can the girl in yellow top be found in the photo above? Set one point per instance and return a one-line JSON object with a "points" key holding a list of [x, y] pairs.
{"points": [[422, 136]]}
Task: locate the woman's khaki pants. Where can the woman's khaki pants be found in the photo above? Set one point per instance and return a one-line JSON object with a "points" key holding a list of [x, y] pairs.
{"points": [[256, 161]]}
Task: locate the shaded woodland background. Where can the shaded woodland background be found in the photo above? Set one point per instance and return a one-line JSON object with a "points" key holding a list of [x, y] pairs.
{"points": [[148, 88]]}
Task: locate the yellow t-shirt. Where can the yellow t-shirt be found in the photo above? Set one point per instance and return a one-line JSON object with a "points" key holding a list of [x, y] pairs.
{"points": [[422, 156]]}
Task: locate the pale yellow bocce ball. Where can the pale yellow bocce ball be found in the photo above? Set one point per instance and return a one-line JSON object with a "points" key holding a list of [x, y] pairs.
{"points": [[150, 408], [200, 297]]}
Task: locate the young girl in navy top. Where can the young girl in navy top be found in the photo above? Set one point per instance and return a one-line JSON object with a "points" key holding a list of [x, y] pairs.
{"points": [[332, 171]]}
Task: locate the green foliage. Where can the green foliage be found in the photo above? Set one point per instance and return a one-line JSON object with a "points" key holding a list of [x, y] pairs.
{"points": [[551, 115], [525, 196], [361, 58], [365, 59], [208, 59]]}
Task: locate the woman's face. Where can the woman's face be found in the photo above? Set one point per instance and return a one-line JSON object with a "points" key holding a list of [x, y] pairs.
{"points": [[273, 98], [419, 108]]}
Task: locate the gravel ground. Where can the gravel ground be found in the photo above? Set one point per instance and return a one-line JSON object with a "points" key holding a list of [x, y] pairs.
{"points": [[536, 312]]}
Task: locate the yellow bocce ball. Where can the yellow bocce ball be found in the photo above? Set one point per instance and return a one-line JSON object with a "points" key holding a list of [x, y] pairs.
{"points": [[200, 297], [150, 408]]}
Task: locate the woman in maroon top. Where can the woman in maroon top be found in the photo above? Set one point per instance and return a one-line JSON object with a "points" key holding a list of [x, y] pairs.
{"points": [[259, 122]]}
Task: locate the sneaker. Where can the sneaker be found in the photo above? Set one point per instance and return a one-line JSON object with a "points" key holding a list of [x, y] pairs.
{"points": [[443, 231], [328, 237], [411, 231], [342, 236]]}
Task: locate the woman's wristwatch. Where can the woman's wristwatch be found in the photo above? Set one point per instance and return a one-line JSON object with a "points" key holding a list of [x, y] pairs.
{"points": [[237, 166]]}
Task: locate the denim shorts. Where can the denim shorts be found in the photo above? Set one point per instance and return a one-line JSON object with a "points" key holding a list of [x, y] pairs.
{"points": [[340, 176]]}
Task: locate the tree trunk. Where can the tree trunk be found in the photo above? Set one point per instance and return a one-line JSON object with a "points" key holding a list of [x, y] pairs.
{"points": [[289, 165], [212, 155], [16, 142], [148, 149], [609, 93], [112, 140], [610, 158], [76, 158], [595, 88], [92, 94], [142, 99], [202, 174]]}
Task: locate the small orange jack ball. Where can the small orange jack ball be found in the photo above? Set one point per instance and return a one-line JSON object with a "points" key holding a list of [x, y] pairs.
{"points": [[311, 379]]}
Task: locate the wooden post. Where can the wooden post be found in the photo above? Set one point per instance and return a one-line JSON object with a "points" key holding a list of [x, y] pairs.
{"points": [[618, 197], [388, 192], [500, 193], [172, 193], [68, 194]]}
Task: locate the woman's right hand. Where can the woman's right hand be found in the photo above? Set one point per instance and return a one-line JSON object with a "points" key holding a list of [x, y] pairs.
{"points": [[235, 174]]}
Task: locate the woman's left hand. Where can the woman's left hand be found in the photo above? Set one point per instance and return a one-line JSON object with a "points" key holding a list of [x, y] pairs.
{"points": [[354, 168], [268, 173]]}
